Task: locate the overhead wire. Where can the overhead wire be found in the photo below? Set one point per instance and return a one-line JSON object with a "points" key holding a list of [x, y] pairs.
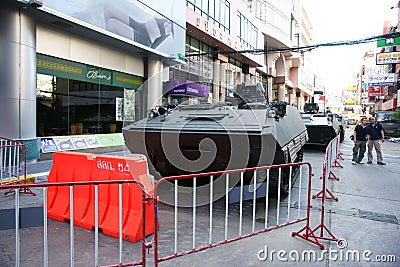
{"points": [[300, 49]]}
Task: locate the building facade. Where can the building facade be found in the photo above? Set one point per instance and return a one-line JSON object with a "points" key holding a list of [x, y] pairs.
{"points": [[87, 67], [74, 67]]}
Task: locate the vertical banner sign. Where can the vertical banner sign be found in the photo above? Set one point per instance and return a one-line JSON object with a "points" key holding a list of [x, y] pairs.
{"points": [[119, 107]]}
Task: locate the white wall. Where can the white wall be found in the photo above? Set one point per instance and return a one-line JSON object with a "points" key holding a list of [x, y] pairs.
{"points": [[71, 47]]}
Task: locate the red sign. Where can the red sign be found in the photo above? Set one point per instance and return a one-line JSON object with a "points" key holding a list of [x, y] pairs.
{"points": [[375, 91]]}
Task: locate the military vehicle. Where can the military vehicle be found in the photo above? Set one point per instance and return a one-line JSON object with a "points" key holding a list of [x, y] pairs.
{"points": [[321, 127], [206, 137]]}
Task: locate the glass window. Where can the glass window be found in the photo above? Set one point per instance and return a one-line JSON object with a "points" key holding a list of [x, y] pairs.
{"points": [[204, 6], [211, 8], [247, 32], [70, 107], [216, 11]]}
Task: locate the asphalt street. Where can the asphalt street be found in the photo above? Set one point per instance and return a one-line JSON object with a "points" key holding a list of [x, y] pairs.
{"points": [[366, 219]]}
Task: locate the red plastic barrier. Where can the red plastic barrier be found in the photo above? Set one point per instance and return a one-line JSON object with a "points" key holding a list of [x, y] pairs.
{"points": [[75, 167], [63, 170], [83, 195], [125, 169]]}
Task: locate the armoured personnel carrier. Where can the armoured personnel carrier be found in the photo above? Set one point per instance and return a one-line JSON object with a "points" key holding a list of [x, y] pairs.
{"points": [[321, 127], [206, 137]]}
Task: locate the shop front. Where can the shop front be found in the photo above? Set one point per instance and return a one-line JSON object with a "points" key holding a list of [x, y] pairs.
{"points": [[81, 106]]}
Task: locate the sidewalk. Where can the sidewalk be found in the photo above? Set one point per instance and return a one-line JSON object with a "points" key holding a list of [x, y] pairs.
{"points": [[366, 216]]}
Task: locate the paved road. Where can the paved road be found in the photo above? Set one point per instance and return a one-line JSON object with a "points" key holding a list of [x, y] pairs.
{"points": [[366, 216]]}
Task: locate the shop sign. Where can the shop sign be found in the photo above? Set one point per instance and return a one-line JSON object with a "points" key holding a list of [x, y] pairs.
{"points": [[77, 71], [107, 140], [76, 142], [97, 75], [382, 79], [393, 41], [184, 87], [388, 58], [48, 145], [375, 91]]}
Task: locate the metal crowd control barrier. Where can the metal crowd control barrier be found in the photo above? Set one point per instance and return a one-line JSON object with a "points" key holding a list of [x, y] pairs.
{"points": [[332, 154], [13, 164], [227, 222], [144, 197]]}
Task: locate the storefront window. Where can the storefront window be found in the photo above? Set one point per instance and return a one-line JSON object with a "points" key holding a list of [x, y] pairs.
{"points": [[69, 103], [68, 107]]}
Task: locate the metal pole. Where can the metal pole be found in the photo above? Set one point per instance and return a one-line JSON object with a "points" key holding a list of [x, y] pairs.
{"points": [[226, 205], [17, 248], [254, 200], [45, 240], [120, 220], [176, 217], [279, 195], [241, 204], [211, 207], [290, 189], [96, 225], [299, 202], [71, 223], [194, 213], [266, 200]]}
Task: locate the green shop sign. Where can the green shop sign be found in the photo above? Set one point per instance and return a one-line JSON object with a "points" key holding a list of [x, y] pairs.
{"points": [[388, 41], [77, 71]]}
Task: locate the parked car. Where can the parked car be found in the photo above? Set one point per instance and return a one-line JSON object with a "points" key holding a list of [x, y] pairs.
{"points": [[389, 123]]}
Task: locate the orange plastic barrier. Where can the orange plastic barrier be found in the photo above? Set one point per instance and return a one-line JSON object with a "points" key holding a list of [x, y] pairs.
{"points": [[83, 194], [73, 166], [125, 169], [63, 170]]}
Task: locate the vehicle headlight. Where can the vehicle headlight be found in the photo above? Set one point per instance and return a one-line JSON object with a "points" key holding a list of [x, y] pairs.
{"points": [[272, 113]]}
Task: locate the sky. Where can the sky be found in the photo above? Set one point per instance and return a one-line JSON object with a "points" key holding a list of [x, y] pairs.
{"points": [[343, 20]]}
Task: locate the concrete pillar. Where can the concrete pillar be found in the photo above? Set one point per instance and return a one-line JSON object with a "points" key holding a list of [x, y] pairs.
{"points": [[292, 97], [247, 79], [17, 72], [281, 92], [216, 81], [223, 80], [154, 83], [269, 86]]}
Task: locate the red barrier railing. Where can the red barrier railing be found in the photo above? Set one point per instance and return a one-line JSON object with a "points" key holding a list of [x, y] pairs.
{"points": [[255, 189], [144, 199], [13, 165], [332, 155]]}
